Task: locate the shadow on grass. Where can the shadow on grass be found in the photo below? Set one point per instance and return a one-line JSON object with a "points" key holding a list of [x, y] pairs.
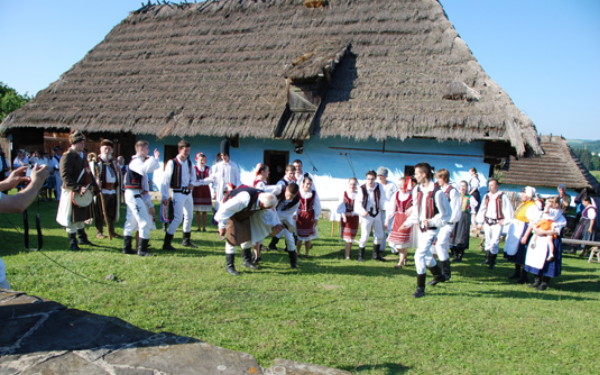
{"points": [[387, 368]]}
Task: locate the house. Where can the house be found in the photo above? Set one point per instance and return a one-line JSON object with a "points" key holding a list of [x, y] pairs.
{"points": [[557, 165], [344, 85]]}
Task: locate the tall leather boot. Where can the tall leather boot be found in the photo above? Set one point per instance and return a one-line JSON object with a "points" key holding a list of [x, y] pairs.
{"points": [[361, 254], [142, 249], [127, 245], [377, 253], [544, 284], [459, 255], [293, 258], [83, 238], [273, 243], [73, 242], [537, 280], [187, 240], [437, 275], [492, 262], [167, 242], [230, 266], [487, 259], [523, 279], [517, 272], [446, 271], [420, 292], [247, 259]]}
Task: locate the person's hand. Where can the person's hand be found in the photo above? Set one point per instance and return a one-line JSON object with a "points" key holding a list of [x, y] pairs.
{"points": [[501, 222], [190, 186], [344, 218], [152, 211], [156, 153], [16, 177], [221, 232], [364, 214], [523, 240]]}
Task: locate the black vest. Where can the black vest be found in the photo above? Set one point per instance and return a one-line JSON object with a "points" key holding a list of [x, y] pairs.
{"points": [[176, 176], [253, 196]]}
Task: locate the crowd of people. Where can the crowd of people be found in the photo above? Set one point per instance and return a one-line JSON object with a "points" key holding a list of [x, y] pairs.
{"points": [[424, 211]]}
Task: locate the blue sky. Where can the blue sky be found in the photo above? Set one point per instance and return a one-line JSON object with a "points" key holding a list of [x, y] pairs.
{"points": [[544, 53]]}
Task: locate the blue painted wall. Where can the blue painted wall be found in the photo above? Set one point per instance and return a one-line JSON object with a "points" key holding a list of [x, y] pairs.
{"points": [[333, 166]]}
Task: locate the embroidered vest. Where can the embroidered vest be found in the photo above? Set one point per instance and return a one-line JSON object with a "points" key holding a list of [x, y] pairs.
{"points": [[431, 208], [253, 196], [177, 173], [465, 203], [365, 201], [498, 205], [348, 203]]}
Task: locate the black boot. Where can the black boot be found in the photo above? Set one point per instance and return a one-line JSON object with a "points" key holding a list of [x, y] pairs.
{"points": [[517, 272], [487, 259], [523, 279], [437, 275], [230, 266], [73, 242], [377, 253], [187, 242], [492, 262], [446, 271], [361, 254], [420, 292], [293, 258], [273, 243], [83, 239], [127, 245], [142, 249], [247, 256], [459, 255], [544, 284], [537, 280], [167, 242]]}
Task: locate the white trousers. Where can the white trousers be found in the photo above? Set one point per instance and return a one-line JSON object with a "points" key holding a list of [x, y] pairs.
{"points": [[183, 209], [230, 249], [492, 237], [423, 254], [368, 223], [138, 216], [442, 244]]}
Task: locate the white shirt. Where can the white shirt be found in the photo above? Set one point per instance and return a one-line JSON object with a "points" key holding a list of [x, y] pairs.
{"points": [[358, 202], [223, 173], [443, 206], [488, 210], [455, 204], [390, 188], [187, 176], [232, 206]]}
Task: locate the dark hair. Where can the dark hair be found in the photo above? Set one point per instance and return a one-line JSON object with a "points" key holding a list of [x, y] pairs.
{"points": [[293, 188], [493, 179], [426, 168], [183, 144], [371, 173], [297, 161]]}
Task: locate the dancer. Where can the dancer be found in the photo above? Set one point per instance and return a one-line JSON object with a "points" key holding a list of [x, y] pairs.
{"points": [[368, 204], [308, 214], [106, 204], [431, 212], [399, 209], [442, 244], [349, 218], [460, 237], [201, 194]]}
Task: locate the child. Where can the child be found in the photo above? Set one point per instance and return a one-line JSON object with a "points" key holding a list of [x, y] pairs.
{"points": [[308, 215], [552, 213], [349, 218], [201, 192], [400, 208]]}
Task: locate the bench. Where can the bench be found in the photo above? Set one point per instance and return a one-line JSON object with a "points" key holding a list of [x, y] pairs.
{"points": [[594, 250]]}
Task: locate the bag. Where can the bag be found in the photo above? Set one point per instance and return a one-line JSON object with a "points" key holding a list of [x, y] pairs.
{"points": [[167, 213]]}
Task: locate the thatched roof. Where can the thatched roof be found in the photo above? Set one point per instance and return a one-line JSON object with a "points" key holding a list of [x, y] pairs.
{"points": [[394, 69], [558, 165]]}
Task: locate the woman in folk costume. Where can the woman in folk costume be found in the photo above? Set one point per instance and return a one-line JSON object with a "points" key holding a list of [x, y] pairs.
{"points": [[201, 193], [474, 186], [77, 182], [515, 247], [308, 215], [400, 208], [588, 223], [544, 255], [461, 233], [348, 217]]}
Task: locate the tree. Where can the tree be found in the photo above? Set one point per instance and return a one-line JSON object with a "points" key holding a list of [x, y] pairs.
{"points": [[10, 100]]}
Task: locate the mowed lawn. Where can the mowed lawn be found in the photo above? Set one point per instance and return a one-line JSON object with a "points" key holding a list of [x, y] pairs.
{"points": [[360, 317]]}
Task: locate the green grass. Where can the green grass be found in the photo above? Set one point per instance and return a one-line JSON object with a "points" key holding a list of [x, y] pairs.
{"points": [[596, 174], [360, 317]]}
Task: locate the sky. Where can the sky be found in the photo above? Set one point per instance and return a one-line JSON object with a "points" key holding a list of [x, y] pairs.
{"points": [[544, 53]]}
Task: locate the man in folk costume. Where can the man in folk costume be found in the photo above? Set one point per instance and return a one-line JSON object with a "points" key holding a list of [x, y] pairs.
{"points": [[443, 239], [431, 211], [286, 180], [496, 210], [235, 226], [225, 175], [299, 173], [369, 204], [286, 213], [178, 183], [140, 209], [390, 189], [108, 177], [78, 184]]}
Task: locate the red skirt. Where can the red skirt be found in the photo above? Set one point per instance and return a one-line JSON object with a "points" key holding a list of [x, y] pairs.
{"points": [[398, 236], [349, 228], [201, 195], [305, 224]]}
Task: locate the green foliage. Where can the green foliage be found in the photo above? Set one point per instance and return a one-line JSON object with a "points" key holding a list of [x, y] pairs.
{"points": [[589, 160], [360, 317], [10, 100]]}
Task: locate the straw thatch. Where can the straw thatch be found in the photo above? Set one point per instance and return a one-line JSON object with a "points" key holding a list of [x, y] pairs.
{"points": [[382, 69], [558, 165]]}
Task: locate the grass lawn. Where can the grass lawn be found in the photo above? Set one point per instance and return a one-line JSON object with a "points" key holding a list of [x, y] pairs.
{"points": [[360, 317]]}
